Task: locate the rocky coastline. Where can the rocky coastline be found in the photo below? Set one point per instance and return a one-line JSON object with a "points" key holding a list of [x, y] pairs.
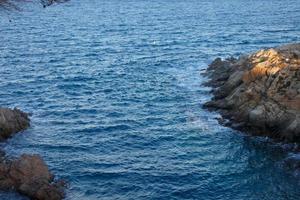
{"points": [[28, 174], [259, 93]]}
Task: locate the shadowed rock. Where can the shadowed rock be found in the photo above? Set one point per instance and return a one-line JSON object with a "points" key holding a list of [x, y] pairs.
{"points": [[29, 175], [12, 121], [261, 91]]}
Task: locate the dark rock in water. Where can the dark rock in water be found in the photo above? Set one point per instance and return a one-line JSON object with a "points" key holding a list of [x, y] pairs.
{"points": [[12, 121], [29, 175], [259, 92]]}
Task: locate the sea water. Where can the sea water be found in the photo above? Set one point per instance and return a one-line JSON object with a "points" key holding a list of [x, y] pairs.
{"points": [[115, 93]]}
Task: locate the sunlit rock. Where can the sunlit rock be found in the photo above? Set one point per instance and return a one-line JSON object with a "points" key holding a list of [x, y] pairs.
{"points": [[262, 90]]}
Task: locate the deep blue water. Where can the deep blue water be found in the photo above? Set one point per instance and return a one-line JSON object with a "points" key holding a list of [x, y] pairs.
{"points": [[114, 88]]}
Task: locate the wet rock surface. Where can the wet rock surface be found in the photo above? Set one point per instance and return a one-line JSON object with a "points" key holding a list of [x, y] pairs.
{"points": [[259, 93]]}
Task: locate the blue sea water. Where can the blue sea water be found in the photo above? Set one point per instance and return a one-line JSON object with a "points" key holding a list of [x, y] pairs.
{"points": [[114, 88]]}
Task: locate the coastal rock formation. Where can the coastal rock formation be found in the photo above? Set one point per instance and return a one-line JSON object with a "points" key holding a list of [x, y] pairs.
{"points": [[12, 121], [29, 175], [260, 92]]}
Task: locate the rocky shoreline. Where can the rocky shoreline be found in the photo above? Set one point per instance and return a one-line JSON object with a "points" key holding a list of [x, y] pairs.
{"points": [[259, 93], [28, 174]]}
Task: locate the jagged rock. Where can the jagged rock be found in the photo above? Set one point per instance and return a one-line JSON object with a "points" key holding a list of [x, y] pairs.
{"points": [[12, 121], [261, 91], [29, 175]]}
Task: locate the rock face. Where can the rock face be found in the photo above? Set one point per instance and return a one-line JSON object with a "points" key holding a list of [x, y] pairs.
{"points": [[260, 92], [30, 176], [12, 121]]}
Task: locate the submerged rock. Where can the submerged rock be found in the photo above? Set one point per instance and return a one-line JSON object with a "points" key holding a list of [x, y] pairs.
{"points": [[12, 121], [261, 91]]}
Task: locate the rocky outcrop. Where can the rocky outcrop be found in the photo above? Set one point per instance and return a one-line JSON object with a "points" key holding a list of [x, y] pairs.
{"points": [[260, 92], [28, 175], [12, 121]]}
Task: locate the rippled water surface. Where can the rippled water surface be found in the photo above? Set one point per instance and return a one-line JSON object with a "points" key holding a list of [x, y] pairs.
{"points": [[114, 88]]}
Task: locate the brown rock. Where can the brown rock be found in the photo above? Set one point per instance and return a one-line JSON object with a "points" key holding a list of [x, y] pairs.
{"points": [[12, 121], [29, 167], [30, 176], [261, 90]]}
